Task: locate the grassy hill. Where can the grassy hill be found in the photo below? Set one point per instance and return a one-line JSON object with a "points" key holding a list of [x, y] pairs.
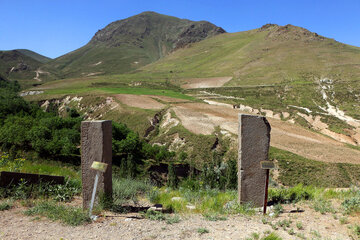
{"points": [[34, 55], [287, 69], [271, 67], [268, 55], [17, 66], [21, 65], [128, 44]]}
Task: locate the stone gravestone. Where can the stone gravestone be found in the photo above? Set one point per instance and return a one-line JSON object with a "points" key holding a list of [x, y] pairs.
{"points": [[96, 145], [254, 142]]}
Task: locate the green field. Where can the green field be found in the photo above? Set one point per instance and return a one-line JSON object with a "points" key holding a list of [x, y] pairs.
{"points": [[128, 90]]}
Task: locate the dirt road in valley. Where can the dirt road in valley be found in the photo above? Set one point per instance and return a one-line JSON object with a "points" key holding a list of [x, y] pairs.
{"points": [[201, 118]]}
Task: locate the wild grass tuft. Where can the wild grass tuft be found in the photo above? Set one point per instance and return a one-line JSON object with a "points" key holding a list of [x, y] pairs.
{"points": [[299, 226], [70, 215], [351, 204], [214, 217], [272, 236], [154, 215], [6, 205], [356, 230], [173, 219], [126, 189], [290, 195], [159, 216], [206, 201], [202, 230], [323, 206]]}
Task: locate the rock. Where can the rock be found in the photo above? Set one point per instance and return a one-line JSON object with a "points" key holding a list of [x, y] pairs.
{"points": [[191, 207], [152, 209], [259, 209], [176, 199], [157, 207], [96, 139], [254, 142]]}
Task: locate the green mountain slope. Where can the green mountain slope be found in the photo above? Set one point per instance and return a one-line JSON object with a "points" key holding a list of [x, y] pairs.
{"points": [[24, 66], [34, 55], [16, 66], [313, 79], [271, 54], [128, 44]]}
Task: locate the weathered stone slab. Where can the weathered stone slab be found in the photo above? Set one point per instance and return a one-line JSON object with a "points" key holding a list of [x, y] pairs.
{"points": [[96, 145], [254, 142], [13, 178]]}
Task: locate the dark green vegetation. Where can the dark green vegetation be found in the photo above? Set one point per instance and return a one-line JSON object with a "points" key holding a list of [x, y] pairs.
{"points": [[60, 193], [26, 127], [128, 44]]}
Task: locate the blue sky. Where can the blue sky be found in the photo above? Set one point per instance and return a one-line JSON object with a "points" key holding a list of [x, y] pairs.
{"points": [[55, 27]]}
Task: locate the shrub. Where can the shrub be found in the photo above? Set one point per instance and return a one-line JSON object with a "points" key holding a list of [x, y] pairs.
{"points": [[294, 194], [278, 209], [42, 190], [12, 165], [323, 206], [356, 229], [352, 204], [154, 215], [125, 189], [172, 220]]}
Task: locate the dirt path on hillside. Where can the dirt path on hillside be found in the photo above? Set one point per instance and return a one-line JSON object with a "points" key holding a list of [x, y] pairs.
{"points": [[205, 82], [140, 101], [201, 118], [14, 225], [38, 72]]}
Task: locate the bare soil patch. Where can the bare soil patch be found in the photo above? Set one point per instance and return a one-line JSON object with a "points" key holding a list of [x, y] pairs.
{"points": [[205, 82], [139, 101], [201, 118]]}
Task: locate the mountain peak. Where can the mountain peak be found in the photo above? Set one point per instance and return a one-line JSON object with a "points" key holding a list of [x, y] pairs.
{"points": [[131, 43], [139, 29], [267, 26], [290, 32]]}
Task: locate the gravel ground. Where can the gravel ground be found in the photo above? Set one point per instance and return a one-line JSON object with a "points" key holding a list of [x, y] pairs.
{"points": [[15, 225]]}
